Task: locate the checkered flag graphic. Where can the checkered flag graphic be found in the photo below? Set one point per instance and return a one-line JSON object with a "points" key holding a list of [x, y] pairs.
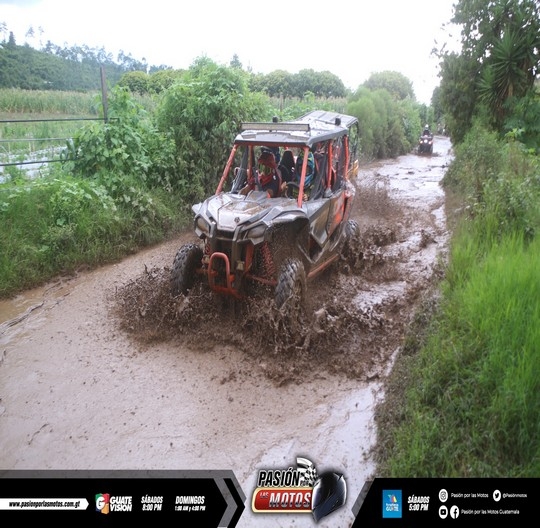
{"points": [[308, 471]]}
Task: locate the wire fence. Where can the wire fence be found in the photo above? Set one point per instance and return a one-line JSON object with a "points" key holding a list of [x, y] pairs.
{"points": [[29, 155], [20, 157]]}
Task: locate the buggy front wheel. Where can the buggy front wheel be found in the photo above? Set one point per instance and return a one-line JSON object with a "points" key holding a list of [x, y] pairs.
{"points": [[291, 286], [184, 271]]}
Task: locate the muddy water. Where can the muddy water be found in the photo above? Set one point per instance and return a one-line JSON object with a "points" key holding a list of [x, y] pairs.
{"points": [[78, 391]]}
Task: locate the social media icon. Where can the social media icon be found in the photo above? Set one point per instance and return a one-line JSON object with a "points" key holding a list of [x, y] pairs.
{"points": [[454, 512], [496, 495], [443, 495], [443, 512]]}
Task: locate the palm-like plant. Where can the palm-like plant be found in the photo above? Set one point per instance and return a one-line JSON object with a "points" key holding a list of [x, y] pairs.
{"points": [[510, 69]]}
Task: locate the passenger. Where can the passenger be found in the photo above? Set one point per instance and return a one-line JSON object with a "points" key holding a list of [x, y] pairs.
{"points": [[287, 166], [268, 175], [310, 172]]}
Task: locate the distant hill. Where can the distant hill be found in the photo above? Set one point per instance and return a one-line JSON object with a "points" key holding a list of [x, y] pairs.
{"points": [[69, 69]]}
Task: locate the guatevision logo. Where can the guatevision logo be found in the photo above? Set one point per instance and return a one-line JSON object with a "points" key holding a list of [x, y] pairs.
{"points": [[106, 503]]}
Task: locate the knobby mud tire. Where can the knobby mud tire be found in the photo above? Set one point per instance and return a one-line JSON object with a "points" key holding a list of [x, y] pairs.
{"points": [[351, 252], [352, 236], [183, 275], [291, 286]]}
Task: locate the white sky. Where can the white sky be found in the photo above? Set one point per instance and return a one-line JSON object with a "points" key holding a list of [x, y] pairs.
{"points": [[350, 38]]}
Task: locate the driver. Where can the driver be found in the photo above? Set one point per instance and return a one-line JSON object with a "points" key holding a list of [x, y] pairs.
{"points": [[268, 174]]}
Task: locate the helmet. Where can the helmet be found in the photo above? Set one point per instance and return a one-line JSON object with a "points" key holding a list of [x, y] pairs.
{"points": [[267, 158], [329, 494]]}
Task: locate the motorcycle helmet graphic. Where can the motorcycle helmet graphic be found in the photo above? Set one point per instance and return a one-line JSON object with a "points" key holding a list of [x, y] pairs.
{"points": [[329, 494]]}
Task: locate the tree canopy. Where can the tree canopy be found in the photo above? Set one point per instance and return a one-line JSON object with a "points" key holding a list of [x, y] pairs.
{"points": [[498, 64], [395, 83]]}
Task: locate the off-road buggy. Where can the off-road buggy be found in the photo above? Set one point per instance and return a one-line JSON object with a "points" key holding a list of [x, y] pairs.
{"points": [[251, 239]]}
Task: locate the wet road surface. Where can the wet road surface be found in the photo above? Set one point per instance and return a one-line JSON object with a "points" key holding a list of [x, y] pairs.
{"points": [[76, 392]]}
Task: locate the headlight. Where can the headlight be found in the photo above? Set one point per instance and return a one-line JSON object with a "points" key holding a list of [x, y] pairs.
{"points": [[202, 225], [256, 232]]}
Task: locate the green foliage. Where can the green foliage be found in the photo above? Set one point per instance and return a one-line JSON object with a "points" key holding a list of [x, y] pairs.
{"points": [[26, 68], [485, 23], [55, 224], [477, 160], [13, 174], [76, 68], [128, 144], [500, 182], [458, 96], [388, 127], [45, 227], [281, 83], [19, 101], [523, 121], [160, 80], [499, 61], [507, 74], [288, 109], [135, 81], [202, 113], [395, 83]]}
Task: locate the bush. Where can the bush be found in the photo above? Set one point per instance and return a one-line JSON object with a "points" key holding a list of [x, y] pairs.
{"points": [[499, 181], [202, 113]]}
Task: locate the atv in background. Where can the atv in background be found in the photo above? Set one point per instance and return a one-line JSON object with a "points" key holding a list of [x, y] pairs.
{"points": [[425, 142], [250, 239]]}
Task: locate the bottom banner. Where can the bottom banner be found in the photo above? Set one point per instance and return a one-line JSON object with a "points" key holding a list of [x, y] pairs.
{"points": [[214, 499]]}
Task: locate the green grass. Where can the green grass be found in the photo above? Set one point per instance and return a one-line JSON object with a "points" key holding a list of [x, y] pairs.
{"points": [[471, 406], [43, 102], [55, 225], [463, 399]]}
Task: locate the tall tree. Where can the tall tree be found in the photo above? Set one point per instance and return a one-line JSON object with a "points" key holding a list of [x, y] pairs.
{"points": [[457, 93], [235, 62], [395, 83], [502, 39]]}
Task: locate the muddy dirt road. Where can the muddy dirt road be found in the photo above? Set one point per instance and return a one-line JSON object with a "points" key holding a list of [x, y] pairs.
{"points": [[103, 371]]}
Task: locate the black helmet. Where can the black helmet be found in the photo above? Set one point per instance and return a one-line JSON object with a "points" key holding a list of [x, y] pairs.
{"points": [[329, 494]]}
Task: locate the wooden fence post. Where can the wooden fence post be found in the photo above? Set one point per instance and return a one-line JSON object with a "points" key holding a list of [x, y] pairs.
{"points": [[104, 95]]}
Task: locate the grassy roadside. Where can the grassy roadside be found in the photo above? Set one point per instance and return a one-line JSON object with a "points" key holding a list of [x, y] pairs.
{"points": [[62, 219], [58, 224], [463, 399]]}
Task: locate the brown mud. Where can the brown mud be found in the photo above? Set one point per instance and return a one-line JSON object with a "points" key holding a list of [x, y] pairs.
{"points": [[105, 370]]}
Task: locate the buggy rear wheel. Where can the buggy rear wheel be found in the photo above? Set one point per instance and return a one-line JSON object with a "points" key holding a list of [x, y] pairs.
{"points": [[351, 254], [291, 285], [184, 271]]}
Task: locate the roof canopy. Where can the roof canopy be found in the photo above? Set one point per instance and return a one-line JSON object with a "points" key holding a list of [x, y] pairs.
{"points": [[307, 130]]}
